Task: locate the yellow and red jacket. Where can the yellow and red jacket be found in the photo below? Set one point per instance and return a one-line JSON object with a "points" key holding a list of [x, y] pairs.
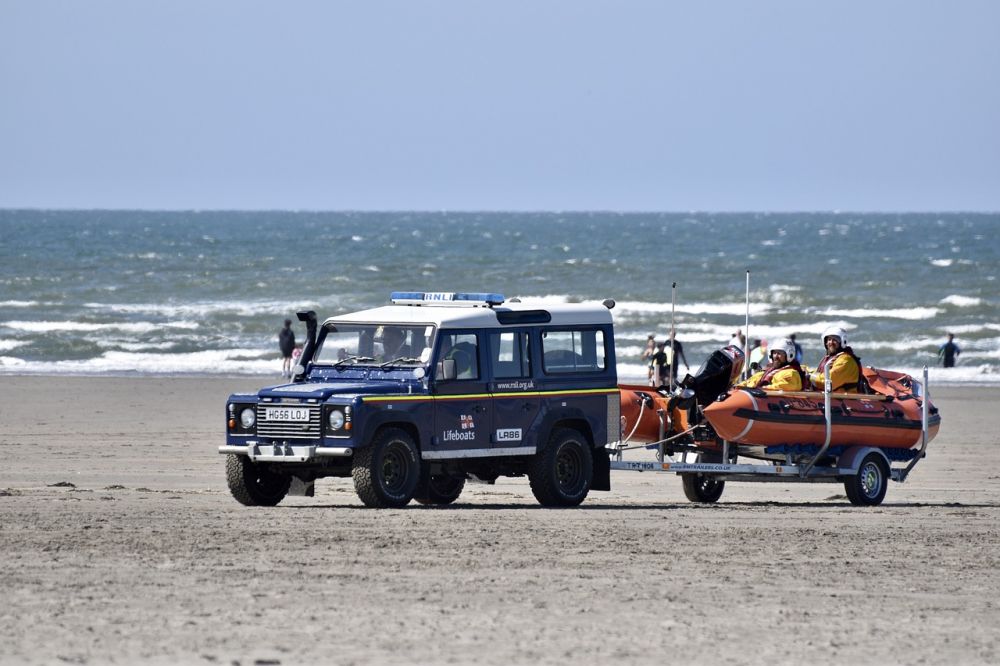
{"points": [[845, 372], [786, 378]]}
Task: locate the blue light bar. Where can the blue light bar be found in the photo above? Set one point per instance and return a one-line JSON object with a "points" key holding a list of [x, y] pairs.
{"points": [[444, 297]]}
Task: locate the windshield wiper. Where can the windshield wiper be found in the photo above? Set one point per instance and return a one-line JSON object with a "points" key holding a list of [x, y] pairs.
{"points": [[356, 359], [401, 359]]}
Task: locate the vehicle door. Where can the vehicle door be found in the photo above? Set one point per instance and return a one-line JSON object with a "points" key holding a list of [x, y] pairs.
{"points": [[577, 378], [515, 395], [462, 418]]}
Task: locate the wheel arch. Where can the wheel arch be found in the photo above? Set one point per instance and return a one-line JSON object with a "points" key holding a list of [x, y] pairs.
{"points": [[408, 427], [383, 421], [574, 422], [852, 457]]}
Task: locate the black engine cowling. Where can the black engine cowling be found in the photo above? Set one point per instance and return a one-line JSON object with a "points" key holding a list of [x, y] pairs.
{"points": [[716, 374]]}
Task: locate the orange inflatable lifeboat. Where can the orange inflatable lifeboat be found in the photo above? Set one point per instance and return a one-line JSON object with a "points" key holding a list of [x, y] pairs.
{"points": [[889, 418], [646, 415], [650, 414]]}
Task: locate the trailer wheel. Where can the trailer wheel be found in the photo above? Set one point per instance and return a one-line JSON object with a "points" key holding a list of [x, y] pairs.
{"points": [[387, 471], [253, 484], [438, 489], [703, 488], [868, 485], [560, 474]]}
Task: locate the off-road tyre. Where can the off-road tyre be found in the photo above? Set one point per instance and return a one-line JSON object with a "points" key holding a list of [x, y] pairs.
{"points": [[703, 488], [560, 473], [253, 484], [386, 472], [867, 486], [439, 489]]}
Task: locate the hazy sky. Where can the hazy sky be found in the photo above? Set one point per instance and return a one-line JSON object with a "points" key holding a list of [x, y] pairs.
{"points": [[502, 105]]}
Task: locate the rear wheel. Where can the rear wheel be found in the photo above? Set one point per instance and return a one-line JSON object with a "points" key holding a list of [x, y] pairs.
{"points": [[253, 484], [438, 489], [868, 485], [387, 471], [703, 488], [560, 474]]}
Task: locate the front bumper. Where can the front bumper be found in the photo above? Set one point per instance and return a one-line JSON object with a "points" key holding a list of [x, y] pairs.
{"points": [[282, 452]]}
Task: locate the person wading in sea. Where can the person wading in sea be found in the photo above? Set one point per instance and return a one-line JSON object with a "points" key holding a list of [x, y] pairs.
{"points": [[286, 343], [948, 353]]}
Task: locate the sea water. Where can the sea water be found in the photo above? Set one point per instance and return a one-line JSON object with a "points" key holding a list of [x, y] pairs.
{"points": [[138, 292]]}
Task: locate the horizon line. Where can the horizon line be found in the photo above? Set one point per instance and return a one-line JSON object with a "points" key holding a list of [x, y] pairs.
{"points": [[520, 211]]}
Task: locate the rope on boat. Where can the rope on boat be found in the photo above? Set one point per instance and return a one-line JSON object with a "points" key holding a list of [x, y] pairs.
{"points": [[662, 441], [638, 420]]}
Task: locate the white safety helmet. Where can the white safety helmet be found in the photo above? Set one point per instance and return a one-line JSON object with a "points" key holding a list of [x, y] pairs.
{"points": [[786, 346], [835, 331]]}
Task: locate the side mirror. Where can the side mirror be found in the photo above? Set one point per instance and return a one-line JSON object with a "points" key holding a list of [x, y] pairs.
{"points": [[446, 369]]}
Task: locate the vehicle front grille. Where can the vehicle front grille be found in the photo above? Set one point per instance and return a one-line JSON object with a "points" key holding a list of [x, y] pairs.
{"points": [[288, 429]]}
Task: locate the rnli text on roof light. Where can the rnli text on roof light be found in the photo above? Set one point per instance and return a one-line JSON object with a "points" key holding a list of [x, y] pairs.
{"points": [[449, 298]]}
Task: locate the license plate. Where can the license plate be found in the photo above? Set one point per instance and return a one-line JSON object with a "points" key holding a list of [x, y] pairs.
{"points": [[286, 414]]}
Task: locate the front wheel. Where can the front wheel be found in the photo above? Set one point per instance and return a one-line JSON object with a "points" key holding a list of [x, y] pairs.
{"points": [[387, 471], [561, 473], [868, 485], [253, 484]]}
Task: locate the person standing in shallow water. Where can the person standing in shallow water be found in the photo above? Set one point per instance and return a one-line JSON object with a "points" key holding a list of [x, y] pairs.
{"points": [[948, 352], [286, 344], [647, 357], [798, 350]]}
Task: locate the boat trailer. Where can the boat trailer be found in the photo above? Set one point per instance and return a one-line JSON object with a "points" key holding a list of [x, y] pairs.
{"points": [[862, 469]]}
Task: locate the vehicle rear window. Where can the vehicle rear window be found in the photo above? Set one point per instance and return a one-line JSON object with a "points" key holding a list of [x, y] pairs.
{"points": [[565, 351]]}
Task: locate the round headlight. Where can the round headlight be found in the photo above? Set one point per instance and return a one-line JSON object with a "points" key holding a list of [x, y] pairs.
{"points": [[248, 418], [336, 419]]}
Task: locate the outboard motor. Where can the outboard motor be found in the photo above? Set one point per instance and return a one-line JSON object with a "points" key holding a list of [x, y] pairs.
{"points": [[717, 373], [309, 348]]}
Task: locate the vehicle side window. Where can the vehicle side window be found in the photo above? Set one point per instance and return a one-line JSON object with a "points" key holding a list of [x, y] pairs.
{"points": [[510, 354], [573, 351], [463, 348]]}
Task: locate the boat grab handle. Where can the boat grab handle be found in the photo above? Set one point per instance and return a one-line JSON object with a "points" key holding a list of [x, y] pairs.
{"points": [[827, 391], [875, 397], [923, 430]]}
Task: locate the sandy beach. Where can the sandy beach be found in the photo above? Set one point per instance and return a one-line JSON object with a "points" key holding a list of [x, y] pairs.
{"points": [[119, 543]]}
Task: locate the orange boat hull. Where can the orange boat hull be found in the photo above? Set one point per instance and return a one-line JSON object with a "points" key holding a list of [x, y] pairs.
{"points": [[643, 405], [757, 418]]}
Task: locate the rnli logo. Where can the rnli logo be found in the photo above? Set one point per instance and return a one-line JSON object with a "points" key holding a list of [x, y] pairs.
{"points": [[509, 435], [467, 422]]}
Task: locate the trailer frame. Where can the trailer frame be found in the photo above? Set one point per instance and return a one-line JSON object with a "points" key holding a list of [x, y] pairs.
{"points": [[850, 464]]}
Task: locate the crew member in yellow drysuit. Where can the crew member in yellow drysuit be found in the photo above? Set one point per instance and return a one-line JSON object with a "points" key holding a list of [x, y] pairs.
{"points": [[845, 367], [783, 373]]}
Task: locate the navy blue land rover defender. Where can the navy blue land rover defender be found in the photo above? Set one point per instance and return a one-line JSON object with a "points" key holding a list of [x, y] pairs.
{"points": [[414, 398]]}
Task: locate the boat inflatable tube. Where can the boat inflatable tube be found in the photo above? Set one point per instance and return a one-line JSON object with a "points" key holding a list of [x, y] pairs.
{"points": [[889, 417]]}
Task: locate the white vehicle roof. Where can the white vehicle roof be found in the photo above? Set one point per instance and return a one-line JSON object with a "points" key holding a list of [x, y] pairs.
{"points": [[457, 316]]}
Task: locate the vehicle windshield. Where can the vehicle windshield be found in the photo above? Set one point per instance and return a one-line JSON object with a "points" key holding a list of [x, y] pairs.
{"points": [[386, 345]]}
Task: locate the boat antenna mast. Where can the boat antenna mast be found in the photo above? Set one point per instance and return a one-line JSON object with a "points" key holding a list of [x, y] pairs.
{"points": [[673, 349], [746, 339]]}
